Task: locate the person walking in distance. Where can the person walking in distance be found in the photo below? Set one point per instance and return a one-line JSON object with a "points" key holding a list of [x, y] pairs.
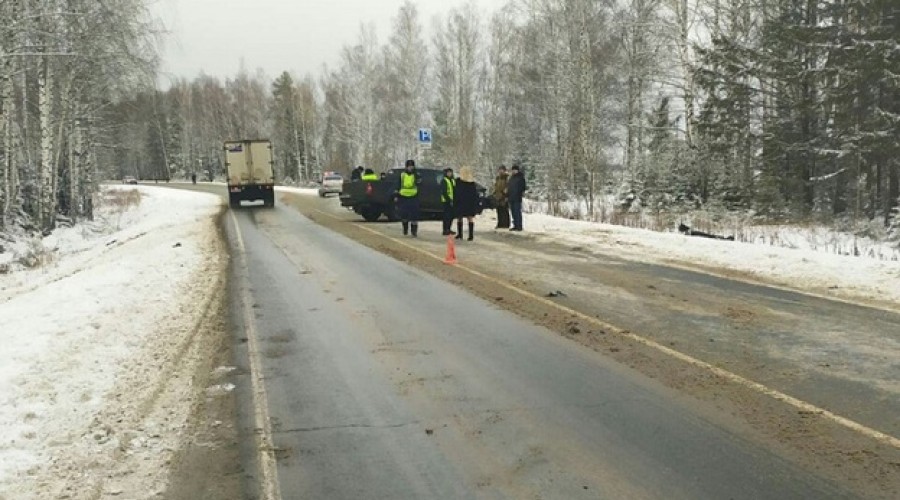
{"points": [[516, 188], [448, 186], [408, 199], [501, 197], [466, 202]]}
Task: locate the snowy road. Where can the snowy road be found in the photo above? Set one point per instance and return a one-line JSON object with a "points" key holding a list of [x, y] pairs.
{"points": [[385, 382], [367, 368]]}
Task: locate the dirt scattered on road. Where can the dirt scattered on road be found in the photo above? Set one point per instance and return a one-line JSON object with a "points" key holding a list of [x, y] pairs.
{"points": [[208, 465], [740, 315], [868, 467]]}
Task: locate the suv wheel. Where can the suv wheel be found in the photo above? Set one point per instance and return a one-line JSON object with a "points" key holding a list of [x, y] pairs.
{"points": [[371, 214]]}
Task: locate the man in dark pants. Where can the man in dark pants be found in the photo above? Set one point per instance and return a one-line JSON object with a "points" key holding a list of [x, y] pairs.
{"points": [[501, 197], [448, 185], [408, 199], [516, 188]]}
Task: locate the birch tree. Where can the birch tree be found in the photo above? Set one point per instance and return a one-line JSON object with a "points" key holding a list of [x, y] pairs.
{"points": [[498, 90], [61, 62], [403, 103], [458, 72], [640, 49], [10, 37], [310, 130], [350, 99]]}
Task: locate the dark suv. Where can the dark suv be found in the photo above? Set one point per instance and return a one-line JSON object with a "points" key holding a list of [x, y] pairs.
{"points": [[372, 199]]}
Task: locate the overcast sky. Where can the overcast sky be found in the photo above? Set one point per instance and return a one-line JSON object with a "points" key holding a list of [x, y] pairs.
{"points": [[276, 35]]}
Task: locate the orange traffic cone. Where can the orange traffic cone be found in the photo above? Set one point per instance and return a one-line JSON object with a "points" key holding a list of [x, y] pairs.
{"points": [[451, 251]]}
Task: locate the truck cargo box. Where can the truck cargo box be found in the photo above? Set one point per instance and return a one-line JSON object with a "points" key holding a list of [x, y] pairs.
{"points": [[250, 168]]}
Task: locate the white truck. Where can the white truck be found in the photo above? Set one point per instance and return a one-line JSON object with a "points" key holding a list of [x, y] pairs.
{"points": [[251, 173]]}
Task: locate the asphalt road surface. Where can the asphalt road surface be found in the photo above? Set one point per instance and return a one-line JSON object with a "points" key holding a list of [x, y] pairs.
{"points": [[364, 376]]}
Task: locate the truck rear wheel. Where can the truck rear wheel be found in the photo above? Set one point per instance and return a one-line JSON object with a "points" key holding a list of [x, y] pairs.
{"points": [[371, 214], [269, 200], [233, 201]]}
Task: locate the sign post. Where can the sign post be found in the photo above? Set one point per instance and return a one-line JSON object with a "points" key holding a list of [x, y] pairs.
{"points": [[425, 138], [424, 142]]}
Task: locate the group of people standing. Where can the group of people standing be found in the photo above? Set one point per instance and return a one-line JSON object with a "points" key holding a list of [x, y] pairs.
{"points": [[509, 190], [459, 199], [364, 174]]}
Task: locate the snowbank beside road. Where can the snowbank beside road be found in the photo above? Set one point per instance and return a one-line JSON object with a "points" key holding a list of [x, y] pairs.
{"points": [[308, 191], [94, 339], [818, 272]]}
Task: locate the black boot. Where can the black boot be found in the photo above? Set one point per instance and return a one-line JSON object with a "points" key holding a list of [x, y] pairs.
{"points": [[471, 231], [405, 228], [415, 229], [459, 229], [448, 224]]}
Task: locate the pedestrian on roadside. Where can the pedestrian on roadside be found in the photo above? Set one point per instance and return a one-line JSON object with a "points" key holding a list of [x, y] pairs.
{"points": [[466, 202], [357, 173], [448, 187], [501, 197], [515, 188], [408, 198], [193, 177]]}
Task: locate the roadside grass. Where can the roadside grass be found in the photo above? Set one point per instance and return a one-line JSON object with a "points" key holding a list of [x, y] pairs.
{"points": [[32, 251], [116, 202]]}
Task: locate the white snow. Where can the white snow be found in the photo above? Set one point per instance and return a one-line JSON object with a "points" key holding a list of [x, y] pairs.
{"points": [[92, 336], [308, 191], [802, 267]]}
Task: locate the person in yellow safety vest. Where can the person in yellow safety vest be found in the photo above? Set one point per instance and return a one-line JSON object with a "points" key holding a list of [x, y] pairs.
{"points": [[448, 185], [408, 199], [370, 175]]}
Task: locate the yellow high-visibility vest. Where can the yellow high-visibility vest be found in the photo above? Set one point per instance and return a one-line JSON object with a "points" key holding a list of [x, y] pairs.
{"points": [[447, 195], [408, 187]]}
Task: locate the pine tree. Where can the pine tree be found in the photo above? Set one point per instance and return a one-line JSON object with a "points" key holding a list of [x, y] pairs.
{"points": [[725, 124]]}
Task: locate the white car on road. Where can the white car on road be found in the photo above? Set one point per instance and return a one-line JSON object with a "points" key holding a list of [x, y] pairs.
{"points": [[331, 183]]}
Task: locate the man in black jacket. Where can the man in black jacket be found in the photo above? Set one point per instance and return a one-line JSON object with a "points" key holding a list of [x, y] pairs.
{"points": [[516, 188]]}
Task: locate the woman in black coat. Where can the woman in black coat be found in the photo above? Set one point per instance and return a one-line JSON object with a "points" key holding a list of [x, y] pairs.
{"points": [[465, 201]]}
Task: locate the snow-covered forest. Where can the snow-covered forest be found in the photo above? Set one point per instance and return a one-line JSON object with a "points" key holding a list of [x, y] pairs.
{"points": [[786, 109], [63, 64]]}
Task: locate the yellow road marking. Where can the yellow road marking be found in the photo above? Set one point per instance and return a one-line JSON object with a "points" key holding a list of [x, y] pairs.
{"points": [[335, 217], [733, 377], [264, 443]]}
